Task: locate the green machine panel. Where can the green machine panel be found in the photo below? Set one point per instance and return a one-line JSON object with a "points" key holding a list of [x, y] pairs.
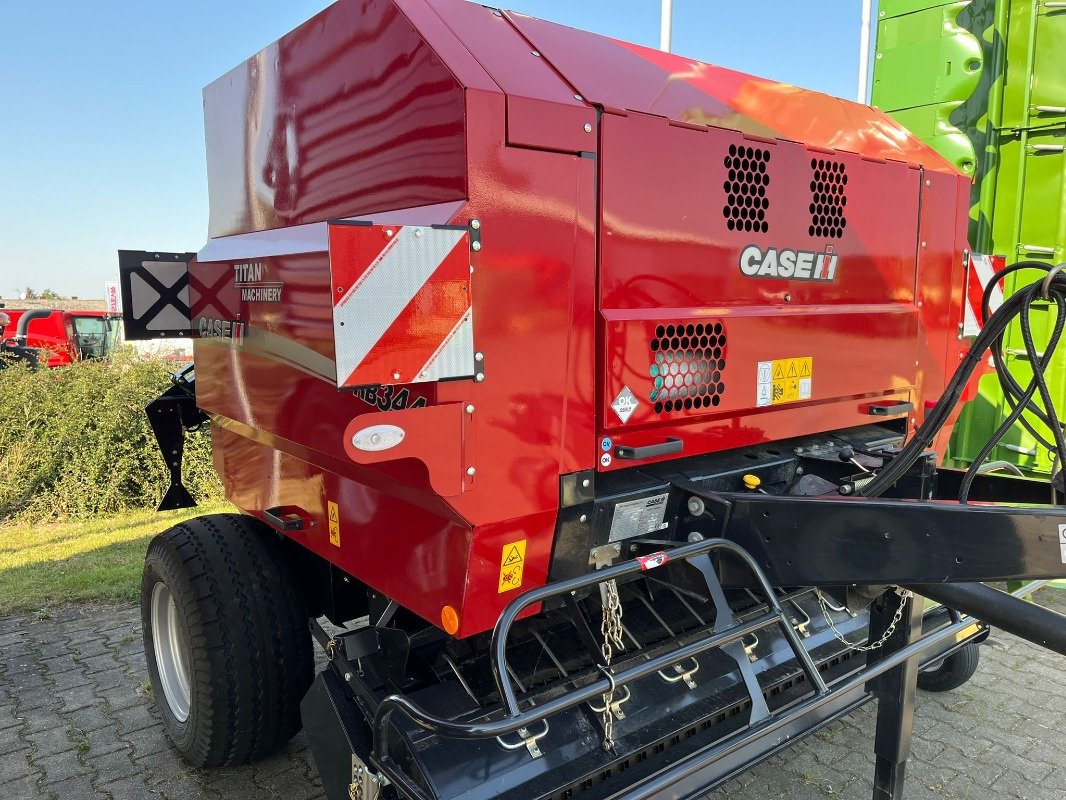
{"points": [[984, 82]]}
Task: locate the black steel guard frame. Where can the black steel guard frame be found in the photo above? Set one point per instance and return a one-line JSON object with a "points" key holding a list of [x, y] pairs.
{"points": [[516, 720]]}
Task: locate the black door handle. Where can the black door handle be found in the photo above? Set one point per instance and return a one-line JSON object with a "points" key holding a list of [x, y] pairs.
{"points": [[284, 518], [889, 409], [669, 447]]}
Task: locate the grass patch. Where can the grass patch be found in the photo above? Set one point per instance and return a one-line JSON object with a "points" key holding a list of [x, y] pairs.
{"points": [[43, 565]]}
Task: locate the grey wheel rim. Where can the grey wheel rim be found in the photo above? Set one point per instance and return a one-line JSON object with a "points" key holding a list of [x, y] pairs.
{"points": [[170, 657]]}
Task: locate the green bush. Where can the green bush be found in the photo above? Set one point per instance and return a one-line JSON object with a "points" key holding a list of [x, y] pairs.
{"points": [[75, 442]]}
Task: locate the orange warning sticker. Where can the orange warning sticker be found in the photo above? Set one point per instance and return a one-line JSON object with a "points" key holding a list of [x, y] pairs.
{"points": [[512, 562], [334, 523]]}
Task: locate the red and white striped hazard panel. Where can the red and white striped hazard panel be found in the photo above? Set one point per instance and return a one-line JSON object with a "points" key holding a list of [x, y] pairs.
{"points": [[981, 269], [401, 303]]}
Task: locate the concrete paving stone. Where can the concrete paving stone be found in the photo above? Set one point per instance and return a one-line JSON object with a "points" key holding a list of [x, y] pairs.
{"points": [[133, 719], [70, 679], [1018, 785], [112, 766], [22, 789], [165, 765], [122, 697], [14, 767], [54, 739], [73, 788], [128, 790], [59, 767], [77, 698], [34, 699], [997, 738], [12, 746]]}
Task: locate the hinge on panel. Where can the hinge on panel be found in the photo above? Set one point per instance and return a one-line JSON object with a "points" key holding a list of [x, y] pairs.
{"points": [[366, 784]]}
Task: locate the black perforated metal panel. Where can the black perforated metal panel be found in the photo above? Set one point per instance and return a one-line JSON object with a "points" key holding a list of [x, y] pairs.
{"points": [[828, 199], [687, 366], [746, 203]]}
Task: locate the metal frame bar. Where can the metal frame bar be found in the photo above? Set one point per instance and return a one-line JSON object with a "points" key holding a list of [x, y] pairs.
{"points": [[515, 719]]}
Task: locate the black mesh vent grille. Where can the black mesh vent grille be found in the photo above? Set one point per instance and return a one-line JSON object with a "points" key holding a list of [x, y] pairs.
{"points": [[687, 366], [828, 199], [746, 202]]}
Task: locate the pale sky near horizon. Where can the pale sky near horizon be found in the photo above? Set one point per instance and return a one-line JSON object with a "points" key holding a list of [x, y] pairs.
{"points": [[101, 129]]}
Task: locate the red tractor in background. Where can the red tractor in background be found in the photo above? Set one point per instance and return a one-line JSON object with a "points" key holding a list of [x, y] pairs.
{"points": [[59, 337], [585, 401]]}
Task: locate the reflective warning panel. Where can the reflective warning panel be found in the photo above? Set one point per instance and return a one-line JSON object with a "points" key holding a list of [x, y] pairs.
{"points": [[401, 303], [155, 294]]}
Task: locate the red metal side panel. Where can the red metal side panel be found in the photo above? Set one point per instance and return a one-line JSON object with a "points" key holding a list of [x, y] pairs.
{"points": [[401, 303], [351, 113], [686, 260], [397, 547], [623, 76], [542, 109]]}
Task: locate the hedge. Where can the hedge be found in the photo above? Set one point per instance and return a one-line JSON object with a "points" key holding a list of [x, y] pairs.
{"points": [[75, 442]]}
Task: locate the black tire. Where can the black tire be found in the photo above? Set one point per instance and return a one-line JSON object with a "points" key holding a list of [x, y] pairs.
{"points": [[237, 612], [953, 671]]}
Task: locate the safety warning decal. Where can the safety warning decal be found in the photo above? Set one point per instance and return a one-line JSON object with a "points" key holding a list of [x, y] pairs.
{"points": [[512, 562], [784, 380], [334, 523]]}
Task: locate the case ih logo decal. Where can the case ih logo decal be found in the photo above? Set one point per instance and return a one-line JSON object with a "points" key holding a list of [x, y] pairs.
{"points": [[795, 265]]}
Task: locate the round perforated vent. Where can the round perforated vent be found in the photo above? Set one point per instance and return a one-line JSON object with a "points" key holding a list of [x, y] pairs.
{"points": [[688, 363], [828, 199], [746, 202]]}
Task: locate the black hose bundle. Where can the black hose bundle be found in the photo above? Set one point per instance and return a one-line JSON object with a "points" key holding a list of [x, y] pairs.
{"points": [[1051, 289]]}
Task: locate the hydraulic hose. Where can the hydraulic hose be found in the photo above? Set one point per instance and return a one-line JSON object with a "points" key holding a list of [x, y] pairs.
{"points": [[1018, 306]]}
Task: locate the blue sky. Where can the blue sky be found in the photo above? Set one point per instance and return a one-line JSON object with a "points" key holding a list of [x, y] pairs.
{"points": [[101, 142]]}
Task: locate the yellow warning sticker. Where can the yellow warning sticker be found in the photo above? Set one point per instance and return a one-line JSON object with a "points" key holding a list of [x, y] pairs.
{"points": [[334, 523], [512, 562], [784, 380]]}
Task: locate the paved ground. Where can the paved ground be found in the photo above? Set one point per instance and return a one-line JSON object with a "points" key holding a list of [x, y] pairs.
{"points": [[76, 722]]}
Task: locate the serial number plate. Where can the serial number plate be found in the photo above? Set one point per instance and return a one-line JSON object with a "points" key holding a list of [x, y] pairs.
{"points": [[639, 517]]}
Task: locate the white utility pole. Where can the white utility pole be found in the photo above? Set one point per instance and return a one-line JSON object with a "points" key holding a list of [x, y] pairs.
{"points": [[864, 53], [666, 25]]}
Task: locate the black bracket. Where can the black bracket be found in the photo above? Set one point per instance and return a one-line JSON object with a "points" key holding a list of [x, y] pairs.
{"points": [[170, 415]]}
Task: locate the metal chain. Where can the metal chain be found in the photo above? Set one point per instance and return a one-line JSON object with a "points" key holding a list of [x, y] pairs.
{"points": [[904, 596], [611, 628]]}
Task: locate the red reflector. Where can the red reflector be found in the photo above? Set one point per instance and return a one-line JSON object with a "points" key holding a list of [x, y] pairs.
{"points": [[652, 561]]}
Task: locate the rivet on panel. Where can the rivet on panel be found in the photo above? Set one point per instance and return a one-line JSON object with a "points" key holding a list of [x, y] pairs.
{"points": [[471, 471], [578, 97], [586, 483], [475, 246], [479, 377], [536, 54], [396, 376], [583, 518], [418, 232], [470, 409], [919, 304], [479, 356], [475, 224], [388, 232], [588, 128]]}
